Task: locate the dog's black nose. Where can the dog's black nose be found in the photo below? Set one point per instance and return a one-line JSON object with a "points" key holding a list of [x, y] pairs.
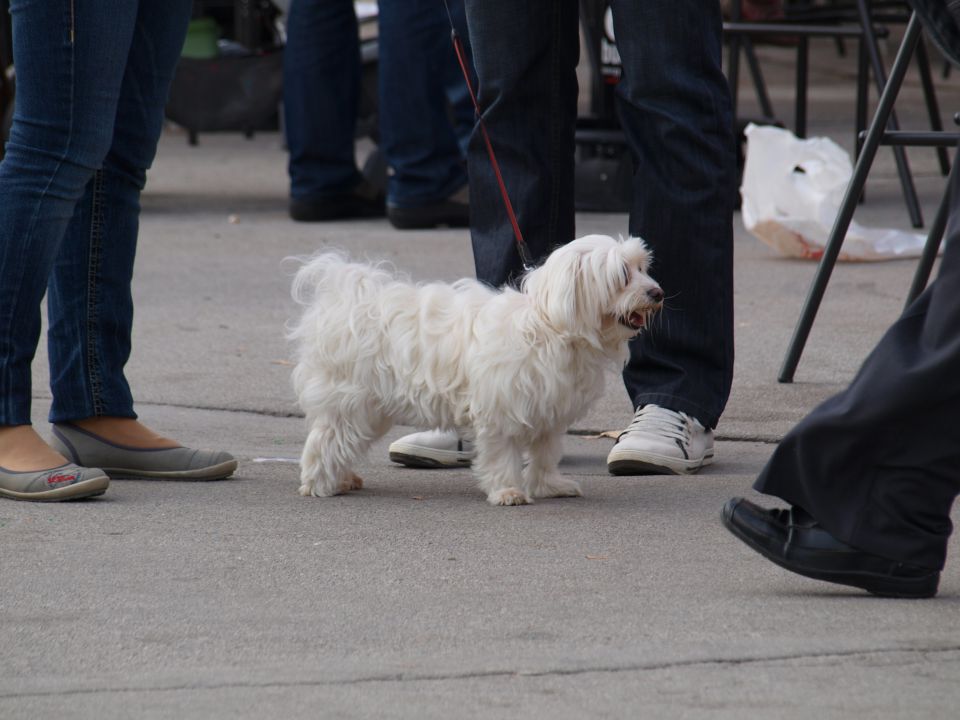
{"points": [[655, 295]]}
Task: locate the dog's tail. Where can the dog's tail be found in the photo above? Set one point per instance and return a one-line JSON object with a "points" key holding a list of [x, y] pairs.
{"points": [[332, 273]]}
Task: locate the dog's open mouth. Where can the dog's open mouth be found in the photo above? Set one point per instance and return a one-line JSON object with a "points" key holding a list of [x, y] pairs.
{"points": [[634, 320]]}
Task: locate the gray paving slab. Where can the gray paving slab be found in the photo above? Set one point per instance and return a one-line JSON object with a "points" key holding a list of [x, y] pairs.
{"points": [[413, 598]]}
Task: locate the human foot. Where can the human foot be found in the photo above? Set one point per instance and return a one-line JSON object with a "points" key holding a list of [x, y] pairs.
{"points": [[125, 431], [169, 461], [23, 450], [32, 470]]}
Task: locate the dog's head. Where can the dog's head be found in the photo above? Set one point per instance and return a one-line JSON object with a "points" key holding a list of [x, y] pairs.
{"points": [[597, 288]]}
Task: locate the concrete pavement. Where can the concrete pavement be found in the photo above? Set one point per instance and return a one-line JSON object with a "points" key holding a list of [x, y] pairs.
{"points": [[413, 598]]}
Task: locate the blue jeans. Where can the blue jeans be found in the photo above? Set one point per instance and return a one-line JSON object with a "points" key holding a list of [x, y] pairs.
{"points": [[675, 110], [419, 81], [92, 82], [321, 92]]}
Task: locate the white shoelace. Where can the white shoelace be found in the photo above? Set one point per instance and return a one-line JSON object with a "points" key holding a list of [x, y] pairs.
{"points": [[655, 420]]}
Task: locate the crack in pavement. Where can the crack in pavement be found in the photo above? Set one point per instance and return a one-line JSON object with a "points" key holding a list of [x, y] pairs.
{"points": [[503, 673], [574, 432]]}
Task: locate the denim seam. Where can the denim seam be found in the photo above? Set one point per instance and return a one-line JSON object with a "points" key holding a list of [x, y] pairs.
{"points": [[93, 273]]}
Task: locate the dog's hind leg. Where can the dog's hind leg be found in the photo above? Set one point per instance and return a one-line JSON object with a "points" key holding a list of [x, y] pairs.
{"points": [[329, 454], [542, 477], [499, 468]]}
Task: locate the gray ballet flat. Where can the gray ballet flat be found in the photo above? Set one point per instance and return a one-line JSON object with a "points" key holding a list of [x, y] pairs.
{"points": [[65, 482], [121, 461]]}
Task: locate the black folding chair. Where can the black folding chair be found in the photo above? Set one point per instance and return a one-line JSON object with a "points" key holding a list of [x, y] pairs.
{"points": [[875, 136]]}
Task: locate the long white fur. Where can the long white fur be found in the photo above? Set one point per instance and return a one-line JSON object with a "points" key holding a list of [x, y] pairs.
{"points": [[509, 369]]}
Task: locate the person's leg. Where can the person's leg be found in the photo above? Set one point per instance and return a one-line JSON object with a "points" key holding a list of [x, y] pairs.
{"points": [[525, 56], [321, 91], [877, 464], [675, 110], [90, 304], [421, 149], [872, 472], [69, 66], [462, 113]]}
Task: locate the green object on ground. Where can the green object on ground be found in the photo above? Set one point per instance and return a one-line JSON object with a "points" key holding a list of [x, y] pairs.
{"points": [[201, 40]]}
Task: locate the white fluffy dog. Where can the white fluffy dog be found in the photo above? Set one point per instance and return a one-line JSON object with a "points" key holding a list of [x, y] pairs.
{"points": [[510, 369]]}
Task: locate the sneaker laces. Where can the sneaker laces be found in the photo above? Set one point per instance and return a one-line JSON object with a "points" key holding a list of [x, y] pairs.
{"points": [[659, 421]]}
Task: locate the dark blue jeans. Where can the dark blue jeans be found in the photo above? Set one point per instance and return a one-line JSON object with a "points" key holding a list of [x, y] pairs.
{"points": [[92, 82], [419, 82], [675, 109]]}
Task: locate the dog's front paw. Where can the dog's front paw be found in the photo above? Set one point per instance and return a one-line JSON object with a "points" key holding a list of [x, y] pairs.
{"points": [[508, 496]]}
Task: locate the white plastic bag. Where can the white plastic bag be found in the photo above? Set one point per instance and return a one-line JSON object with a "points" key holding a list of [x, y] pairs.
{"points": [[792, 190]]}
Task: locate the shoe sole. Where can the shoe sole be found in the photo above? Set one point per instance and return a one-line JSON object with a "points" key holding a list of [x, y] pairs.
{"points": [[437, 460], [906, 588], [647, 464], [213, 472], [77, 491]]}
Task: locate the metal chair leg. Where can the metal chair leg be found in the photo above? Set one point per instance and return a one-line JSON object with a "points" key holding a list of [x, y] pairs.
{"points": [[733, 70], [863, 89], [899, 154], [760, 86], [933, 107], [800, 111], [932, 246], [867, 154]]}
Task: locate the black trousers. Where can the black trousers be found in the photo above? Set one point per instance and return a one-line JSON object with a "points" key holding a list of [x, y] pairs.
{"points": [[879, 464], [675, 109]]}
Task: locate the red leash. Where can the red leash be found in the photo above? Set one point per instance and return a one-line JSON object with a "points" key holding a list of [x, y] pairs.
{"points": [[522, 248]]}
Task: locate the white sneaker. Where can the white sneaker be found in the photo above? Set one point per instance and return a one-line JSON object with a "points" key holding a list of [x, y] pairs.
{"points": [[432, 449], [661, 442]]}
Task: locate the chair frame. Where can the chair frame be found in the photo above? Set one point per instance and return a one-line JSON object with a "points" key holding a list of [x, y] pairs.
{"points": [[875, 136], [741, 37]]}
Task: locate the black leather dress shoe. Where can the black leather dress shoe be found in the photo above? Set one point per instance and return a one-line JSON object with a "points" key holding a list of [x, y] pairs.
{"points": [[453, 212], [363, 201], [794, 540]]}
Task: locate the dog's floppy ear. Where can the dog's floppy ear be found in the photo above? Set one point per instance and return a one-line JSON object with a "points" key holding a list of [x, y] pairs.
{"points": [[553, 288]]}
